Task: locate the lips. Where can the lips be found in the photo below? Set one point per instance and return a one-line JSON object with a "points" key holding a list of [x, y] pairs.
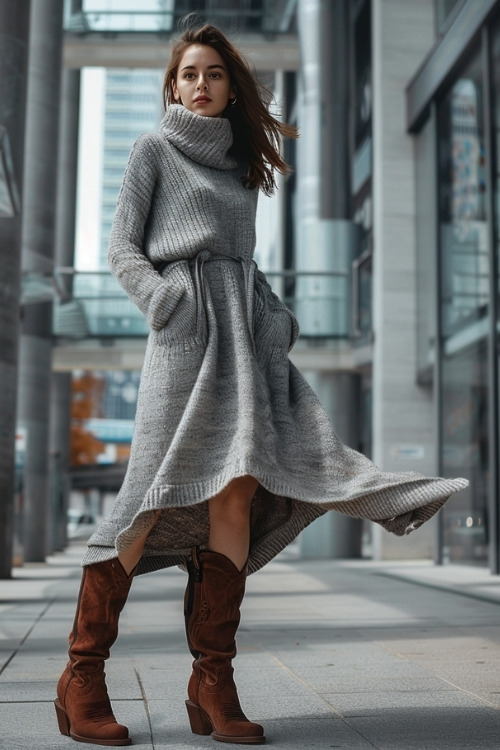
{"points": [[202, 99]]}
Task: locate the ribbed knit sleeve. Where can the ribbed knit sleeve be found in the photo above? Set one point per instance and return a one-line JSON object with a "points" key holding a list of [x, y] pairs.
{"points": [[126, 257]]}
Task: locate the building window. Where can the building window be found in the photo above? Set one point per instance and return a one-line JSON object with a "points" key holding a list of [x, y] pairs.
{"points": [[463, 298], [425, 170], [465, 453], [462, 206], [496, 136], [361, 172]]}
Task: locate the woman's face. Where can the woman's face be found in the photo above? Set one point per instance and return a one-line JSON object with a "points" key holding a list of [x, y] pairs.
{"points": [[202, 84]]}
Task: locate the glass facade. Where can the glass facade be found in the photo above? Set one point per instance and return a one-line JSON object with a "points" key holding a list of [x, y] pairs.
{"points": [[457, 152], [426, 209], [495, 289], [162, 16], [462, 203], [361, 169], [465, 452], [463, 299]]}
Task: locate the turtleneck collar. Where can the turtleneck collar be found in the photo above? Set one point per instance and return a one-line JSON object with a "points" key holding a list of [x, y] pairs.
{"points": [[206, 140]]}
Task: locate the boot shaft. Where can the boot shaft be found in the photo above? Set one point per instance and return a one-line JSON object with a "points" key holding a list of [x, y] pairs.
{"points": [[217, 590], [103, 592]]}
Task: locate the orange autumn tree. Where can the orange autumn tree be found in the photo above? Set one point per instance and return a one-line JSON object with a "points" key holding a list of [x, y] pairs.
{"points": [[86, 403]]}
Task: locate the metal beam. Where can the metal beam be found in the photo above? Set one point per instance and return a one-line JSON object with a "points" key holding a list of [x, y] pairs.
{"points": [[442, 59], [152, 51]]}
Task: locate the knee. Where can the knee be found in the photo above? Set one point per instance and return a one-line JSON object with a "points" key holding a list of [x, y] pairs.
{"points": [[232, 506], [238, 508], [230, 510], [240, 493]]}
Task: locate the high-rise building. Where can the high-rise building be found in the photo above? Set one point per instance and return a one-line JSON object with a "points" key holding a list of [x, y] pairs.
{"points": [[133, 105], [117, 105]]}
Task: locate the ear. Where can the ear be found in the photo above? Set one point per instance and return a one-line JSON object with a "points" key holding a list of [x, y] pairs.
{"points": [[175, 92], [232, 92]]}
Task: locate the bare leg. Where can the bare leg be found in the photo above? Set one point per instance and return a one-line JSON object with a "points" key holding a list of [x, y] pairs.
{"points": [[131, 556], [230, 520]]}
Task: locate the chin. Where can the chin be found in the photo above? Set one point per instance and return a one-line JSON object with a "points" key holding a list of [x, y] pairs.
{"points": [[207, 112]]}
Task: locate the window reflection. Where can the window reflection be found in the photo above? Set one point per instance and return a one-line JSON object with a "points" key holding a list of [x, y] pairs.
{"points": [[463, 227], [425, 170], [496, 126], [361, 167], [464, 295], [466, 453], [162, 16]]}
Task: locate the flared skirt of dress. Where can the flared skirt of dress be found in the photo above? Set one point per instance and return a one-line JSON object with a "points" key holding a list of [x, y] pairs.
{"points": [[219, 398]]}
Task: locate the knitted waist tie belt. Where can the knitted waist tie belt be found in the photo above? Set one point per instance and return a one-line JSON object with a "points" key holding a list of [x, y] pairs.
{"points": [[197, 265]]}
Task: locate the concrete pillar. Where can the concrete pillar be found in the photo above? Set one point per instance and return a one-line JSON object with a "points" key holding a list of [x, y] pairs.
{"points": [[67, 173], [336, 535], [60, 416], [403, 439], [41, 151], [14, 35], [326, 238], [325, 235]]}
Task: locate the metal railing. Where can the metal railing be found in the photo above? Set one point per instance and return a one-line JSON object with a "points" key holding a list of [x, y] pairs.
{"points": [[272, 17], [97, 307]]}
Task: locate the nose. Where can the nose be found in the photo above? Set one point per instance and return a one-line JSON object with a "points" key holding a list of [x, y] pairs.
{"points": [[202, 84]]}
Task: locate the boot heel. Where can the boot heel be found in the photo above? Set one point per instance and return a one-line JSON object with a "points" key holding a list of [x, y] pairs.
{"points": [[199, 721], [62, 719]]}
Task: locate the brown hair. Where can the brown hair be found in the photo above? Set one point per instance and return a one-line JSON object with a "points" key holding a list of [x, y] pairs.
{"points": [[256, 133]]}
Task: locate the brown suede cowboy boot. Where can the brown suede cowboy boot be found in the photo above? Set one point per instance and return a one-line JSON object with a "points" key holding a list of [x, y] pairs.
{"points": [[82, 706], [217, 590]]}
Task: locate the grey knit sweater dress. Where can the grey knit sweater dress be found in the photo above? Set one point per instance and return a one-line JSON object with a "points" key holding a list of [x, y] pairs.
{"points": [[219, 397]]}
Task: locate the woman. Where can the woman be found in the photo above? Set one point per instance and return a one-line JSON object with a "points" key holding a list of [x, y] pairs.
{"points": [[232, 453]]}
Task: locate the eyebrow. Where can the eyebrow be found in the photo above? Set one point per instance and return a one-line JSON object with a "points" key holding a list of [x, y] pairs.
{"points": [[209, 67]]}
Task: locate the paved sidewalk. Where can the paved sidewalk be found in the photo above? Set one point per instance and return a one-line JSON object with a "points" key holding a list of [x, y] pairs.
{"points": [[332, 654]]}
